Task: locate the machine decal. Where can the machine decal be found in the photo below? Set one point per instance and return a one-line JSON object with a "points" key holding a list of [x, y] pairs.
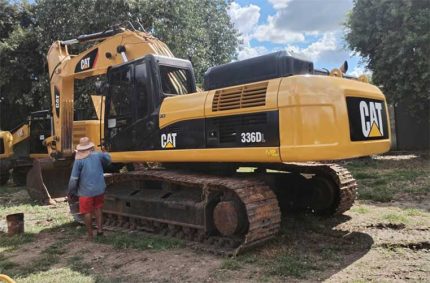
{"points": [[251, 137], [272, 152], [244, 130], [87, 62], [367, 119], [168, 140], [371, 111], [57, 101]]}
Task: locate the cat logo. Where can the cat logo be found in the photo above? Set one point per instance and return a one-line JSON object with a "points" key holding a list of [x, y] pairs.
{"points": [[85, 63], [371, 119], [168, 140]]}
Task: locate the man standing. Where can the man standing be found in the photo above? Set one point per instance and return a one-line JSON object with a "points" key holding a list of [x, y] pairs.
{"points": [[88, 183]]}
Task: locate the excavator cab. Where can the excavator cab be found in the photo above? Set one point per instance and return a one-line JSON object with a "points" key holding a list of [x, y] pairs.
{"points": [[133, 98]]}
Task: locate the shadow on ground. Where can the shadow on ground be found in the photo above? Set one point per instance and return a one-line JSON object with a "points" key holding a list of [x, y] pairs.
{"points": [[308, 248]]}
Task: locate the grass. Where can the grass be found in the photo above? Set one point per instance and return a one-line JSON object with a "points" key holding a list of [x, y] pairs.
{"points": [[384, 181], [413, 212], [231, 264], [10, 243], [57, 275], [121, 240], [360, 209], [330, 253], [280, 264], [291, 265], [396, 218], [77, 263], [6, 265], [36, 217], [44, 261]]}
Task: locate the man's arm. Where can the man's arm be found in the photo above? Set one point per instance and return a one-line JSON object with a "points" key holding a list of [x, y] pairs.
{"points": [[74, 178], [106, 159]]}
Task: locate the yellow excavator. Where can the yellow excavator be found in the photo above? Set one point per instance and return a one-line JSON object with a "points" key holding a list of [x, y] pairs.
{"points": [[14, 153], [215, 166]]}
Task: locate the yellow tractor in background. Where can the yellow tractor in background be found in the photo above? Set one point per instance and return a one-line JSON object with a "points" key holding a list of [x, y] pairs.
{"points": [[14, 153], [275, 115]]}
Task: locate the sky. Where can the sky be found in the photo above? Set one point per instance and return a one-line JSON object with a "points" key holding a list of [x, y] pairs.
{"points": [[310, 29]]}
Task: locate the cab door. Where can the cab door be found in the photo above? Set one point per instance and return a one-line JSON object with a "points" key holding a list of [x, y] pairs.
{"points": [[131, 120], [119, 109]]}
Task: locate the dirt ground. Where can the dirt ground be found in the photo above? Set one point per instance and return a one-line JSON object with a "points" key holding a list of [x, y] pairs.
{"points": [[385, 237]]}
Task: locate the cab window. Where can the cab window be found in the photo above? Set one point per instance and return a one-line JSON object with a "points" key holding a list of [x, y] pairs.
{"points": [[121, 93], [175, 81], [141, 79]]}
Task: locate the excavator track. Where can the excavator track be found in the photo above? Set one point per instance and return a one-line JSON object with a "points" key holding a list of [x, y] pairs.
{"points": [[257, 197], [341, 180], [261, 211]]}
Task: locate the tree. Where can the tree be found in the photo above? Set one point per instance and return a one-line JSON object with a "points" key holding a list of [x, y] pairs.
{"points": [[20, 64], [394, 38], [193, 29]]}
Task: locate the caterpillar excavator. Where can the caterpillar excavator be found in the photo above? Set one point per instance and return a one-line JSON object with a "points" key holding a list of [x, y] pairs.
{"points": [[18, 146], [259, 139]]}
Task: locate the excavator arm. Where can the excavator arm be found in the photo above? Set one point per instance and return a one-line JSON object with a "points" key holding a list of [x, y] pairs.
{"points": [[112, 47], [48, 177]]}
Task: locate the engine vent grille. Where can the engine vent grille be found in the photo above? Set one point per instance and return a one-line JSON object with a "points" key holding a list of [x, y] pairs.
{"points": [[240, 97]]}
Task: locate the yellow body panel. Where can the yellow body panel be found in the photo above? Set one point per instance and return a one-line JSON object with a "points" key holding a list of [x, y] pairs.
{"points": [[181, 108], [7, 143], [21, 134], [313, 123], [313, 119], [87, 128], [271, 100], [249, 154], [10, 140]]}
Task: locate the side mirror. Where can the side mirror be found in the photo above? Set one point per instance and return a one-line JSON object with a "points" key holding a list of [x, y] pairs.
{"points": [[344, 67]]}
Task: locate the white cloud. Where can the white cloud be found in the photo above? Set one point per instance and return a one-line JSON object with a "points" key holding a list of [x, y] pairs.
{"points": [[246, 52], [326, 52], [244, 18], [325, 44], [315, 24], [295, 19], [310, 16], [360, 70], [269, 32], [279, 4]]}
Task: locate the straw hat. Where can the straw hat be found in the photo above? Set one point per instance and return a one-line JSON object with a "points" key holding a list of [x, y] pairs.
{"points": [[83, 149]]}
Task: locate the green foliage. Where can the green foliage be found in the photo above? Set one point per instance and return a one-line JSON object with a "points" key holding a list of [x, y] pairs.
{"points": [[197, 30], [394, 38]]}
